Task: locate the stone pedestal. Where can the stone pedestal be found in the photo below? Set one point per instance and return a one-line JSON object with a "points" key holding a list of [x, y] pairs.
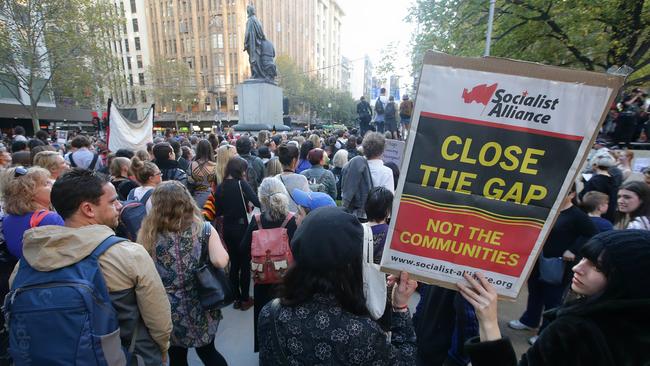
{"points": [[260, 106]]}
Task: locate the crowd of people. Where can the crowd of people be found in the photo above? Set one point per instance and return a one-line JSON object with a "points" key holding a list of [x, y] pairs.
{"points": [[289, 212]]}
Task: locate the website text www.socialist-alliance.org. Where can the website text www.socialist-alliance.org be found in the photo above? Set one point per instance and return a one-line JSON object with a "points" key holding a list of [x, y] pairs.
{"points": [[448, 270]]}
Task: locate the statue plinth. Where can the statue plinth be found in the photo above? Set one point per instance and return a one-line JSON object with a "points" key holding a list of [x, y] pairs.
{"points": [[260, 106]]}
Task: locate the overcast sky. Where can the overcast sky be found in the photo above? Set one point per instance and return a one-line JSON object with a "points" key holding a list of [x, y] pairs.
{"points": [[369, 25]]}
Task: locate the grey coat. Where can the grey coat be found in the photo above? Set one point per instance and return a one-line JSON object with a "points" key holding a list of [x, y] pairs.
{"points": [[356, 183]]}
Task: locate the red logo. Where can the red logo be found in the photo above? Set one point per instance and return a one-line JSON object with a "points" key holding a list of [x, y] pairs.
{"points": [[480, 94]]}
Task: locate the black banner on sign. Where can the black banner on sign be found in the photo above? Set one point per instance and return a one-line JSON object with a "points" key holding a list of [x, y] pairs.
{"points": [[488, 166]]}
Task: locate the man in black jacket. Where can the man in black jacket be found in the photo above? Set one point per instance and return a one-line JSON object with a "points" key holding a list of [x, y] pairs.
{"points": [[365, 114], [255, 170], [166, 161]]}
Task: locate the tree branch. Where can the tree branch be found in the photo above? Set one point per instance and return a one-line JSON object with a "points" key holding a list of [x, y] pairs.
{"points": [[507, 31]]}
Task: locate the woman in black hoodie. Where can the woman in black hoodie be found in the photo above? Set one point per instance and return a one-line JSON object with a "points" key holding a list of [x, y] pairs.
{"points": [[607, 325]]}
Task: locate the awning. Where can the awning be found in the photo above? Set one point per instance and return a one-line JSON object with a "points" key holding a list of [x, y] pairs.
{"points": [[17, 111]]}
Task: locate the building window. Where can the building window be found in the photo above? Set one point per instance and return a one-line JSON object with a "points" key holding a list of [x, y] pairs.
{"points": [[143, 96], [128, 63], [130, 79], [11, 90], [141, 78], [133, 10], [126, 45], [139, 59], [137, 43], [135, 25]]}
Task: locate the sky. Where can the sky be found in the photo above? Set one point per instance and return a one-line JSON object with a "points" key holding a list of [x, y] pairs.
{"points": [[369, 25]]}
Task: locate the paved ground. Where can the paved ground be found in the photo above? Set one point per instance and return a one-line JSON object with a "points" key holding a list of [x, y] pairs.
{"points": [[235, 337]]}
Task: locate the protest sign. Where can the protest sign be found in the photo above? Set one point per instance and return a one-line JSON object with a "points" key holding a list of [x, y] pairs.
{"points": [[394, 152], [496, 147], [61, 137]]}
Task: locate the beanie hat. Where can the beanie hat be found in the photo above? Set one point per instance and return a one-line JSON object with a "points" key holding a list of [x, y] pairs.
{"points": [[627, 256], [328, 238], [604, 160]]}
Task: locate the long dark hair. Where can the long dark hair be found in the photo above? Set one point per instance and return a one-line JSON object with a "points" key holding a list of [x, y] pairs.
{"points": [[236, 168], [204, 151], [305, 148], [623, 257], [643, 192], [345, 283]]}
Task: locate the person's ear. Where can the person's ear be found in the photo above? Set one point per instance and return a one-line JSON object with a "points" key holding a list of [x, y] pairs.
{"points": [[87, 209]]}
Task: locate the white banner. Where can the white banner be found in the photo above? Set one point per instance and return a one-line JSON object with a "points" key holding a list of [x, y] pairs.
{"points": [[124, 134]]}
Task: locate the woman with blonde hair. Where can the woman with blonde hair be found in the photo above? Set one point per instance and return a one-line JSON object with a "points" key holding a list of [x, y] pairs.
{"points": [[224, 154], [273, 167], [315, 139], [148, 175], [274, 200], [26, 202], [624, 162], [143, 155], [52, 161], [176, 236]]}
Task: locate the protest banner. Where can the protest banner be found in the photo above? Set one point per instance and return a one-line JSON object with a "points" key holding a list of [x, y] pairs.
{"points": [[496, 147], [394, 152], [124, 134]]}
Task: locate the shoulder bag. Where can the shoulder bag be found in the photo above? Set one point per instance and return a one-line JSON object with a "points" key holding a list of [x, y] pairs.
{"points": [[374, 281], [212, 284], [249, 215], [551, 270]]}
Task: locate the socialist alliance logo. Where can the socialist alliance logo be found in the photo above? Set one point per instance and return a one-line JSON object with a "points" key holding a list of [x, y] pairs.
{"points": [[480, 94], [520, 105]]}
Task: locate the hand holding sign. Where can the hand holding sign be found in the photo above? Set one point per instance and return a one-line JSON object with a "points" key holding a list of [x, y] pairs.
{"points": [[496, 147], [483, 297]]}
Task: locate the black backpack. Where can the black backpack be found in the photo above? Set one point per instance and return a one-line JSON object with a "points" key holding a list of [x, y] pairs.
{"points": [[251, 173], [390, 109], [379, 106]]}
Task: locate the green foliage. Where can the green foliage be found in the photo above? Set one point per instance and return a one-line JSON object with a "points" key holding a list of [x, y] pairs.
{"points": [[60, 44], [173, 84], [307, 96], [585, 34], [387, 60]]}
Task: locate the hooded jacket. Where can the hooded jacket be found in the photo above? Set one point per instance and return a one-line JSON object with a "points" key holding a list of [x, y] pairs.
{"points": [[610, 329], [135, 288]]}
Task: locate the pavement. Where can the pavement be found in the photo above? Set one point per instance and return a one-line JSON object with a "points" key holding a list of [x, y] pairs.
{"points": [[234, 338]]}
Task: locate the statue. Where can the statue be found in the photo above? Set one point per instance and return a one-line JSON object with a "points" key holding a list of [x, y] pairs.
{"points": [[261, 53]]}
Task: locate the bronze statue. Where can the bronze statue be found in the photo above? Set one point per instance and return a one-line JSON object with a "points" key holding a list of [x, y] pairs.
{"points": [[261, 52]]}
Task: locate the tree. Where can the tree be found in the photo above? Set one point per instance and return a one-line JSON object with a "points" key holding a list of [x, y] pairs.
{"points": [[387, 59], [172, 83], [46, 40], [586, 34], [309, 96]]}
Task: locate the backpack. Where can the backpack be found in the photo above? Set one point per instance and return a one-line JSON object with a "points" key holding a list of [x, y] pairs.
{"points": [[270, 252], [379, 106], [64, 316], [390, 109], [132, 214], [251, 174], [92, 163], [406, 108]]}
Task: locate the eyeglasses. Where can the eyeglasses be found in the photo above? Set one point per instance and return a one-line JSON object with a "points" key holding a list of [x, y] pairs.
{"points": [[20, 171], [159, 173]]}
